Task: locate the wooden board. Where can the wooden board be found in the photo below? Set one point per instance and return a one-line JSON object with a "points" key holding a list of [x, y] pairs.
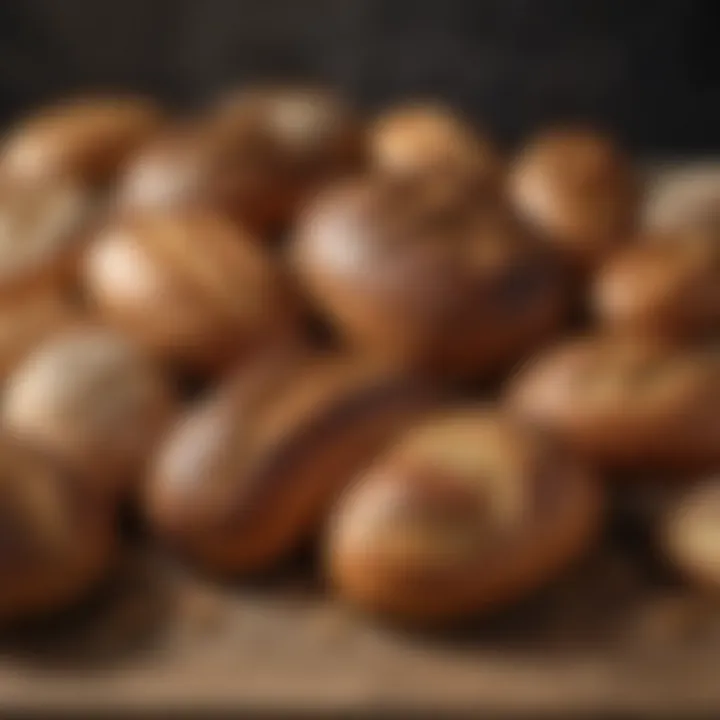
{"points": [[615, 636]]}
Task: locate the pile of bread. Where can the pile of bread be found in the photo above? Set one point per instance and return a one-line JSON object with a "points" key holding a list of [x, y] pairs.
{"points": [[276, 323]]}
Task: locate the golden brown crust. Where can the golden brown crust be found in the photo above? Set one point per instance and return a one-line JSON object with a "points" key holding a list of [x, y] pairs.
{"points": [[437, 154], [246, 477], [57, 540], [686, 200], [626, 402], [303, 138], [29, 319], [85, 139], [234, 172], [458, 295], [466, 512], [577, 189], [89, 397], [690, 534], [190, 286], [42, 228], [666, 285]]}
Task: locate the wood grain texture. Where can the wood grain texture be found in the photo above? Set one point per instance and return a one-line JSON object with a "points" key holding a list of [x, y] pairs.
{"points": [[162, 643]]}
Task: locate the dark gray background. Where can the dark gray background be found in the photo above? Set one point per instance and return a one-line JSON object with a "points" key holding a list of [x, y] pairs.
{"points": [[648, 70]]}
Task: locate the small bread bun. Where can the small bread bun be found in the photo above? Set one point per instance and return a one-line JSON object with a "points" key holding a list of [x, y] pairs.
{"points": [[466, 512], [302, 139], [625, 402], [29, 320], [42, 228], [686, 199], [435, 152], [57, 540], [578, 190], [189, 286], [247, 477], [667, 285], [690, 534], [458, 296], [90, 398], [86, 139], [234, 173]]}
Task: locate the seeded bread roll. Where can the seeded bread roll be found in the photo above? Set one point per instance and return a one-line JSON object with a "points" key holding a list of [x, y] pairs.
{"points": [[85, 139], [457, 296], [668, 285], [578, 190], [90, 398], [626, 403], [57, 540], [248, 476], [189, 286], [465, 512]]}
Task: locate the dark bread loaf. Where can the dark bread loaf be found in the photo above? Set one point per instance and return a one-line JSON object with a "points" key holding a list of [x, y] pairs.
{"points": [[456, 296]]}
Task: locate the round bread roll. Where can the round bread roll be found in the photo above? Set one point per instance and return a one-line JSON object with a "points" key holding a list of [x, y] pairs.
{"points": [[455, 296], [235, 173], [28, 320], [626, 403], [189, 286], [578, 190], [42, 227], [467, 511], [88, 397], [667, 285], [247, 477], [303, 138], [686, 199], [85, 139], [436, 152], [57, 540], [690, 534]]}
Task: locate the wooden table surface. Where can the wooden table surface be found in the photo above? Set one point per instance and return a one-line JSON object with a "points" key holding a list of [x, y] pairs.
{"points": [[614, 636], [617, 636]]}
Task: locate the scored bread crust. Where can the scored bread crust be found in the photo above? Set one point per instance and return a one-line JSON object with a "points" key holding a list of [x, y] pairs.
{"points": [[246, 477], [578, 190], [189, 285], [625, 402], [57, 537], [450, 296], [86, 139], [667, 285], [519, 513]]}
